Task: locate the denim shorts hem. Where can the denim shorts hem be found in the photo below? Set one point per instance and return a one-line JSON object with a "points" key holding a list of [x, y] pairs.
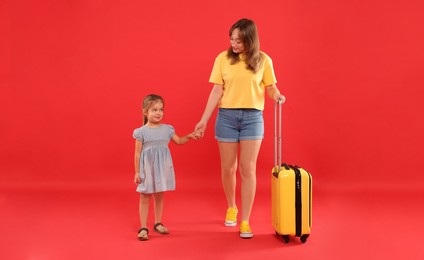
{"points": [[226, 140], [244, 138], [251, 138]]}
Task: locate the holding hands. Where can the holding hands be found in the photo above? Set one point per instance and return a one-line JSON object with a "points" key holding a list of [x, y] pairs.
{"points": [[193, 135], [200, 129]]}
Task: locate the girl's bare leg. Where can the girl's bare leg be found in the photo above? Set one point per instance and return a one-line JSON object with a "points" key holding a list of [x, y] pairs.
{"points": [[144, 209], [158, 203]]}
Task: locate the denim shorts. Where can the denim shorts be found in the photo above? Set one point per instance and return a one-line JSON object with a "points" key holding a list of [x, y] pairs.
{"points": [[233, 125]]}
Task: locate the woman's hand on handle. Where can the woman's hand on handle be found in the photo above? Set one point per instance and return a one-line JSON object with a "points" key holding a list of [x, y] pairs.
{"points": [[275, 94], [280, 98]]}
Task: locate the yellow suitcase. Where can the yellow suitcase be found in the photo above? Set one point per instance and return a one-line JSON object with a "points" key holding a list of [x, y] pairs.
{"points": [[291, 188]]}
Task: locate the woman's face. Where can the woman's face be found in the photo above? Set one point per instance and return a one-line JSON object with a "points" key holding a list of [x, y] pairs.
{"points": [[236, 42]]}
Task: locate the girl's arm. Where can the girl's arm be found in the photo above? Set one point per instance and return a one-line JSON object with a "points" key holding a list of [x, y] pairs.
{"points": [[137, 154], [274, 93], [213, 100], [182, 140]]}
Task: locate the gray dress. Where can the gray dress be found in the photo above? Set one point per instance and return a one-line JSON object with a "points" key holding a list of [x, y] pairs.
{"points": [[156, 167]]}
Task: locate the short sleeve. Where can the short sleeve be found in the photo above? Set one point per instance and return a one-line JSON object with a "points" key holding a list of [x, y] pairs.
{"points": [[137, 134], [269, 75], [171, 131], [216, 74]]}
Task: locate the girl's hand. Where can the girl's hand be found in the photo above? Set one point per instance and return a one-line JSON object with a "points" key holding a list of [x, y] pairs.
{"points": [[193, 135], [197, 136], [137, 179]]}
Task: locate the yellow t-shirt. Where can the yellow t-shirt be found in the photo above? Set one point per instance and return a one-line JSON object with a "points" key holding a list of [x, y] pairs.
{"points": [[242, 87]]}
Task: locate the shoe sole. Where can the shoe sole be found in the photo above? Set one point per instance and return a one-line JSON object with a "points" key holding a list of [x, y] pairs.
{"points": [[161, 232], [230, 224], [246, 235]]}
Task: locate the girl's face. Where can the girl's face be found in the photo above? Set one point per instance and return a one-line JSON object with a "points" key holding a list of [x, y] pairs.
{"points": [[155, 113], [236, 42]]}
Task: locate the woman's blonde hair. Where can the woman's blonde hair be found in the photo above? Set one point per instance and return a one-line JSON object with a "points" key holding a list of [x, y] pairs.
{"points": [[249, 36], [148, 101]]}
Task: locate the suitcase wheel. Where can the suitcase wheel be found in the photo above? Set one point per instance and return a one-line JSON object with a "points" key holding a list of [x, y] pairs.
{"points": [[286, 238], [304, 238]]}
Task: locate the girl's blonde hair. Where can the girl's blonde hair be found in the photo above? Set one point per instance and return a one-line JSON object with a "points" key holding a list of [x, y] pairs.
{"points": [[249, 36], [148, 101]]}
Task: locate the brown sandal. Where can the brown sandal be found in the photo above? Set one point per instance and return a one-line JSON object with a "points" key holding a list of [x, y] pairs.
{"points": [[142, 236], [160, 228]]}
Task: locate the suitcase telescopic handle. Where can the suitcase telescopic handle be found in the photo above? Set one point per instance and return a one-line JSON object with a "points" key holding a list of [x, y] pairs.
{"points": [[277, 134]]}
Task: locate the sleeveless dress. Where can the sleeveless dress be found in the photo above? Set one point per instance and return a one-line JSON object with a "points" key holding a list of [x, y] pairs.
{"points": [[156, 166]]}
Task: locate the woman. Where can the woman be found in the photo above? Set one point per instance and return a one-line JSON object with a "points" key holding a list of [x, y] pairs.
{"points": [[241, 75]]}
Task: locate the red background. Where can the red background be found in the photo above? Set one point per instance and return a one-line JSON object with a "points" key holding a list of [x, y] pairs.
{"points": [[73, 75]]}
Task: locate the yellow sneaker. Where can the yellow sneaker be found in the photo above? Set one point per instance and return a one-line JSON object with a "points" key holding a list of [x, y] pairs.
{"points": [[245, 231], [231, 217]]}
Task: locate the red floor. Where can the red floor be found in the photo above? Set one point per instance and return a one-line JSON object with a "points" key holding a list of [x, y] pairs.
{"points": [[87, 222]]}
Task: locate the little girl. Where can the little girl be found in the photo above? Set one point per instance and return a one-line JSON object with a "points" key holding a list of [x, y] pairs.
{"points": [[154, 170]]}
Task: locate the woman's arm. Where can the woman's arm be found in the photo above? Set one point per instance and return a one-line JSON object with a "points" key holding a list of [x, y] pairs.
{"points": [[213, 100], [274, 93]]}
